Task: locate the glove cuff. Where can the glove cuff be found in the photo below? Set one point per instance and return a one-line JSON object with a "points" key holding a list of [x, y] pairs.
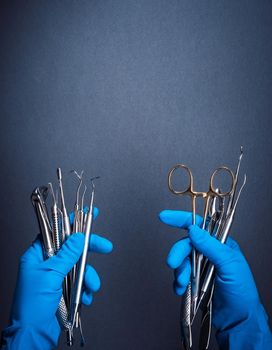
{"points": [[17, 337], [252, 333]]}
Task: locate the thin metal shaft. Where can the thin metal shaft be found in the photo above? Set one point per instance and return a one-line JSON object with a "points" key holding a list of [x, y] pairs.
{"points": [[193, 249], [55, 221], [222, 237], [231, 200], [66, 220], [186, 329], [76, 223], [76, 297], [66, 228], [199, 259]]}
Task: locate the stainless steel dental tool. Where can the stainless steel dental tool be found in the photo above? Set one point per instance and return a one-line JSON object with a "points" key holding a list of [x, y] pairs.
{"points": [[77, 292], [219, 210], [77, 224], [66, 220], [38, 200], [38, 197], [222, 237], [57, 240]]}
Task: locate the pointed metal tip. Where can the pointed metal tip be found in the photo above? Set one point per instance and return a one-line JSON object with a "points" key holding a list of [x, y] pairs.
{"points": [[70, 340], [239, 193], [92, 182], [79, 176], [245, 180], [59, 174], [51, 188], [241, 153]]}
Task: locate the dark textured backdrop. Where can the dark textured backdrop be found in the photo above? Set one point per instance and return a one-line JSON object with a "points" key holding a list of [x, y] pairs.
{"points": [[125, 89]]}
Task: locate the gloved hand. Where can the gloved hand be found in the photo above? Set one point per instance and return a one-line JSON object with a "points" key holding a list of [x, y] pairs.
{"points": [[39, 288], [238, 314]]}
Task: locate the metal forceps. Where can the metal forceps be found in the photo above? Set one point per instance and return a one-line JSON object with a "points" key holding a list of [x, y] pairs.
{"points": [[191, 294]]}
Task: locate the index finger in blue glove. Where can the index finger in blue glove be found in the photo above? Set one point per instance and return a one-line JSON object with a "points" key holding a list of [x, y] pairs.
{"points": [[182, 277], [91, 279], [68, 255], [179, 251], [232, 244], [91, 284], [177, 218], [209, 246], [100, 244], [34, 254]]}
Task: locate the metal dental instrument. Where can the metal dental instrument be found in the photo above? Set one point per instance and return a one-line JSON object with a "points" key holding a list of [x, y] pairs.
{"points": [[81, 211], [222, 229], [38, 200], [212, 215], [230, 204], [221, 213], [76, 223], [215, 232], [208, 196], [66, 220], [225, 231], [61, 232], [55, 221], [66, 229], [77, 292], [209, 281], [222, 233], [186, 331], [222, 237], [206, 324], [185, 318]]}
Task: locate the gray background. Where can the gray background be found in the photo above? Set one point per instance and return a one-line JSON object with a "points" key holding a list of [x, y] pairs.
{"points": [[126, 89]]}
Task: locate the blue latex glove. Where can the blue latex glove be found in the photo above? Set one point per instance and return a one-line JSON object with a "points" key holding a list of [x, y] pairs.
{"points": [[39, 288], [238, 314]]}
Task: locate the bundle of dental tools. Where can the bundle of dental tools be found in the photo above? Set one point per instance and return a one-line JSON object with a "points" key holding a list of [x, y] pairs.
{"points": [[55, 227], [218, 215]]}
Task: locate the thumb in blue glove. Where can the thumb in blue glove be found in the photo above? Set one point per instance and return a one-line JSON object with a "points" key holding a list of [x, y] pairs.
{"points": [[238, 314]]}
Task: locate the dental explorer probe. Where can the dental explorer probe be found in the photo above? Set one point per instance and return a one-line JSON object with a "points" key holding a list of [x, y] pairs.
{"points": [[66, 220], [77, 292], [66, 228], [223, 237], [76, 223]]}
